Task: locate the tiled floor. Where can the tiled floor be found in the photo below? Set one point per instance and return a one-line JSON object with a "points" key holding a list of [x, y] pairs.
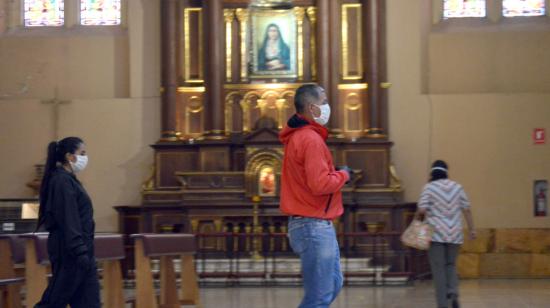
{"points": [[516, 293]]}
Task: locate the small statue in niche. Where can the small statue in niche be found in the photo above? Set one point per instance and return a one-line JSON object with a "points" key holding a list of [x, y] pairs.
{"points": [[267, 184]]}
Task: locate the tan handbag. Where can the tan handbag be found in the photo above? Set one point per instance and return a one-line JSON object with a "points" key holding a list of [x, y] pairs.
{"points": [[418, 235]]}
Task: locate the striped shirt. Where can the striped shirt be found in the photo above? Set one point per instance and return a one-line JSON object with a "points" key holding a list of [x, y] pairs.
{"points": [[444, 201]]}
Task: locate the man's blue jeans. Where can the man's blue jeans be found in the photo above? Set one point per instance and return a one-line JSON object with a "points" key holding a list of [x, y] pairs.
{"points": [[314, 240]]}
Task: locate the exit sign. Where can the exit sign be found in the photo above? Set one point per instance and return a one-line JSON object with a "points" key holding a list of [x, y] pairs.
{"points": [[539, 136]]}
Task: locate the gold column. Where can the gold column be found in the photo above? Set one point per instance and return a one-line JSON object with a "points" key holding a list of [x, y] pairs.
{"points": [[195, 230], [248, 230], [300, 13], [229, 15], [218, 224], [312, 15], [242, 16]]}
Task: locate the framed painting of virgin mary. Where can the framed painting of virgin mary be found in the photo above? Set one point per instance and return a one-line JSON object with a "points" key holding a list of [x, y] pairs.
{"points": [[273, 44]]}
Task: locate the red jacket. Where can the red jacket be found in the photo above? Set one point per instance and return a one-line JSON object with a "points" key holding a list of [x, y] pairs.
{"points": [[310, 186]]}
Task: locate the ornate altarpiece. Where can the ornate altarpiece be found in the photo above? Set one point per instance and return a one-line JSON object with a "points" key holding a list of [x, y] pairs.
{"points": [[219, 147]]}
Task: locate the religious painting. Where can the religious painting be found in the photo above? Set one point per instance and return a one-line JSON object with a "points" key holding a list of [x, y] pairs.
{"points": [[267, 182], [273, 44]]}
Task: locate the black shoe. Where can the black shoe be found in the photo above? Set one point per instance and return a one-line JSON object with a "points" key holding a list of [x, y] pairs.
{"points": [[454, 302]]}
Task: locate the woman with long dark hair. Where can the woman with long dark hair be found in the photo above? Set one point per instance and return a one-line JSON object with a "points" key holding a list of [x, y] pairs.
{"points": [[441, 203], [274, 54], [66, 213]]}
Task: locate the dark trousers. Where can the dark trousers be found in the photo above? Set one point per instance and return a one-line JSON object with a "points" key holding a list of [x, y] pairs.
{"points": [[71, 285], [443, 264]]}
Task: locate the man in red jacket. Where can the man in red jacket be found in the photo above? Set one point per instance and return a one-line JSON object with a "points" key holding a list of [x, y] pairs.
{"points": [[311, 196]]}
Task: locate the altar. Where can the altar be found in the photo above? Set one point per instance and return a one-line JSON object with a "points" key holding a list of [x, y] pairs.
{"points": [[216, 171]]}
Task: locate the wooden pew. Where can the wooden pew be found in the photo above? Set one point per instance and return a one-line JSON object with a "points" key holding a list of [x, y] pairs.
{"points": [[36, 266], [11, 253], [109, 250], [167, 247]]}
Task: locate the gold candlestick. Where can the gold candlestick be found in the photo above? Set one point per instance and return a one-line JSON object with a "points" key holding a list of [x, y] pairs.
{"points": [[256, 230]]}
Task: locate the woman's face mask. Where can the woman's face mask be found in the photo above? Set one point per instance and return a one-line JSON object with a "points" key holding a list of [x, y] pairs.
{"points": [[80, 163]]}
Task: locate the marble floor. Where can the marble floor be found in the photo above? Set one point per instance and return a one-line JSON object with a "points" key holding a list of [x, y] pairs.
{"points": [[493, 293]]}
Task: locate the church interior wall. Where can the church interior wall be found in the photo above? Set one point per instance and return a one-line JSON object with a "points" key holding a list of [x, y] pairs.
{"points": [[453, 97]]}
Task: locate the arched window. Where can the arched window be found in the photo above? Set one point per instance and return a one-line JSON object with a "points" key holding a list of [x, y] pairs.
{"points": [[100, 12], [464, 8], [44, 13], [513, 8]]}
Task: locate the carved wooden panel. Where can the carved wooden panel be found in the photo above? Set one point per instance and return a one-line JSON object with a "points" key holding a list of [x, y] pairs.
{"points": [[352, 64], [193, 45], [170, 162], [190, 111], [214, 159], [353, 98], [373, 162]]}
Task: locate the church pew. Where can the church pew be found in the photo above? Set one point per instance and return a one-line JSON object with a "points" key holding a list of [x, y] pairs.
{"points": [[109, 250], [36, 266], [11, 253], [167, 247]]}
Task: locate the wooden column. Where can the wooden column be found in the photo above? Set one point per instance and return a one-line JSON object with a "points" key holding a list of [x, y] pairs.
{"points": [[335, 8], [214, 73], [373, 29], [323, 44], [169, 42]]}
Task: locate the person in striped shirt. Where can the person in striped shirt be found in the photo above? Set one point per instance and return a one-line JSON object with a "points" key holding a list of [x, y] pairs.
{"points": [[442, 204]]}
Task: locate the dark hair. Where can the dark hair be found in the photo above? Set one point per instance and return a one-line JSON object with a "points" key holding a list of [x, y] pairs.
{"points": [[439, 174], [57, 152], [266, 36], [304, 95]]}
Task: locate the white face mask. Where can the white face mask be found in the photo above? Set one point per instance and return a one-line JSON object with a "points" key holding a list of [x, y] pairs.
{"points": [[325, 114], [80, 164]]}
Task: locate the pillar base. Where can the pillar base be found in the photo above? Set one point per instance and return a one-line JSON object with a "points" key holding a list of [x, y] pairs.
{"points": [[215, 134], [375, 133], [170, 135], [336, 133]]}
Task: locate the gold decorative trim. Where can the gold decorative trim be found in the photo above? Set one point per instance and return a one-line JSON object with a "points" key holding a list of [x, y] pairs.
{"points": [[191, 89], [385, 85], [149, 183], [187, 44], [395, 181], [263, 86], [229, 16], [345, 42], [242, 16], [353, 86], [194, 106], [228, 111], [312, 16], [300, 14], [352, 107]]}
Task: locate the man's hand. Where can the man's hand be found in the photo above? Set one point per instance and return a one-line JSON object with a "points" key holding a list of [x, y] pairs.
{"points": [[347, 169]]}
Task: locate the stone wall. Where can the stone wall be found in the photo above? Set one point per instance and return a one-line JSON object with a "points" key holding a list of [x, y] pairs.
{"points": [[506, 253]]}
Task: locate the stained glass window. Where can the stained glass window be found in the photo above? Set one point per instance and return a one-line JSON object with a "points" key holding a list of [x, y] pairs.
{"points": [[40, 13], [464, 8], [100, 12], [512, 8]]}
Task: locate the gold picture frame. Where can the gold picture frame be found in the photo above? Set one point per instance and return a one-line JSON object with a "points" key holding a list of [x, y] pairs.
{"points": [[273, 44]]}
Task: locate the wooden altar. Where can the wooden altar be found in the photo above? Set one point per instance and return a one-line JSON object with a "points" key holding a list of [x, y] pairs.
{"points": [[219, 145]]}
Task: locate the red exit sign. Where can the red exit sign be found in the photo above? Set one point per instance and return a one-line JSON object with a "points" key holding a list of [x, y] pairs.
{"points": [[539, 136]]}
